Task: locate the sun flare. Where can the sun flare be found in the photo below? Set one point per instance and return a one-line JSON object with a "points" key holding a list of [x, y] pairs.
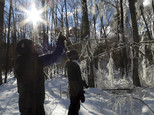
{"points": [[34, 15]]}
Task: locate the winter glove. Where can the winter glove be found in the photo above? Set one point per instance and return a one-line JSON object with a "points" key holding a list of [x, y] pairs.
{"points": [[61, 39], [82, 97]]}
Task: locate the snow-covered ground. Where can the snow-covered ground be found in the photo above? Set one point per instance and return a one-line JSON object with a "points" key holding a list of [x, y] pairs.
{"points": [[139, 101]]}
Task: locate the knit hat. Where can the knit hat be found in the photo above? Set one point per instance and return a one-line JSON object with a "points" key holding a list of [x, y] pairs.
{"points": [[25, 47], [73, 55]]}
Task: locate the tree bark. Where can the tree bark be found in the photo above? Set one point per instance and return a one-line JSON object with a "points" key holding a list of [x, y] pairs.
{"points": [[142, 13], [86, 32], [147, 48], [2, 3], [118, 20], [90, 63], [53, 17], [56, 18], [85, 22], [124, 54], [153, 19], [136, 80], [62, 18], [94, 19], [77, 24], [43, 25], [102, 33], [47, 14], [67, 28], [8, 42], [14, 36], [122, 21]]}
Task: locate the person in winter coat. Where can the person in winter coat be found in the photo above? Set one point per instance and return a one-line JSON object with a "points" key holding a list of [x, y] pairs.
{"points": [[75, 83], [30, 75]]}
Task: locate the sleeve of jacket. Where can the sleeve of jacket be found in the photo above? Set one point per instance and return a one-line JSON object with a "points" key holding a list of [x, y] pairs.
{"points": [[80, 82], [79, 78], [49, 59]]}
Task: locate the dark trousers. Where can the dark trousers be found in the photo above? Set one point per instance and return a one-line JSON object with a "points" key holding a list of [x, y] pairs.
{"points": [[74, 105], [39, 110]]}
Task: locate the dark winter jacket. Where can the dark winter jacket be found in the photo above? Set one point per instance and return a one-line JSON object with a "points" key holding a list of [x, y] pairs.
{"points": [[30, 81], [30, 76], [74, 78]]}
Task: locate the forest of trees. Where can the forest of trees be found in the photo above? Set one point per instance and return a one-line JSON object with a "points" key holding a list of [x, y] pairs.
{"points": [[97, 27]]}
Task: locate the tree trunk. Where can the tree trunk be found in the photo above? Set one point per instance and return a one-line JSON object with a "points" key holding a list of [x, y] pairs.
{"points": [[124, 54], [148, 48], [85, 22], [94, 19], [136, 80], [91, 81], [56, 27], [102, 33], [14, 35], [15, 28], [2, 3], [62, 18], [153, 20], [122, 21], [118, 20], [47, 14], [53, 17], [85, 31], [142, 14], [76, 24], [8, 43], [43, 25], [67, 28]]}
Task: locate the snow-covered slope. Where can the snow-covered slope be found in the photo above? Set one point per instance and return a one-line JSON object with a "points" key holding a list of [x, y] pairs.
{"points": [[98, 102]]}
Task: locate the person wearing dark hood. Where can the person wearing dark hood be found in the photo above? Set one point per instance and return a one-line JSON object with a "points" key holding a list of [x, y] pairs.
{"points": [[75, 83], [30, 75]]}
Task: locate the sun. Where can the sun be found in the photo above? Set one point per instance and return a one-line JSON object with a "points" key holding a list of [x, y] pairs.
{"points": [[34, 15]]}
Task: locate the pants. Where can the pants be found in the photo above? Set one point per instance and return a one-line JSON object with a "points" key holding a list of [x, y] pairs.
{"points": [[74, 105], [39, 110]]}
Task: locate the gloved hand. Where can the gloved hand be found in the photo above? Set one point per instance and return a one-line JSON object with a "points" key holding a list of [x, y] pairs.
{"points": [[82, 97], [61, 39]]}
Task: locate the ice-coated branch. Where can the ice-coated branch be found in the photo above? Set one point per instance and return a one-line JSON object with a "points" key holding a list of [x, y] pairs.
{"points": [[143, 103]]}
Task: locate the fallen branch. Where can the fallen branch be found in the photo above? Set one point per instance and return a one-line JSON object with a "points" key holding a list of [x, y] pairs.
{"points": [[144, 104]]}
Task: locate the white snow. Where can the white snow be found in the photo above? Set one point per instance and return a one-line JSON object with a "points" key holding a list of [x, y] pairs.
{"points": [[147, 3], [98, 102]]}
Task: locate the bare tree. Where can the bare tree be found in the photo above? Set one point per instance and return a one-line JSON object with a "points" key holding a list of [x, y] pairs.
{"points": [[14, 25], [153, 20], [67, 27], [74, 30], [14, 35], [8, 42], [62, 17], [2, 3], [122, 20], [86, 32], [53, 16], [102, 27], [56, 17], [136, 80], [124, 55], [142, 14], [85, 22], [43, 25]]}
